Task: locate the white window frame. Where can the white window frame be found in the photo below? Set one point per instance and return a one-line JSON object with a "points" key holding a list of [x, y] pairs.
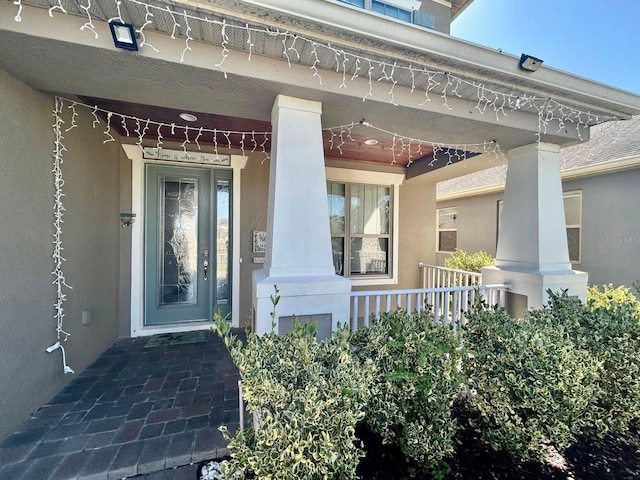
{"points": [[407, 5], [578, 194], [454, 209], [393, 181]]}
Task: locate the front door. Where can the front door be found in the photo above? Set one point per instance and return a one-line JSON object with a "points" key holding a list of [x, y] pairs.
{"points": [[187, 242]]}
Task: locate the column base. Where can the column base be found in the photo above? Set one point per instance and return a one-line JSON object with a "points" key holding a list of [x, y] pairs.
{"points": [[529, 289], [323, 299]]}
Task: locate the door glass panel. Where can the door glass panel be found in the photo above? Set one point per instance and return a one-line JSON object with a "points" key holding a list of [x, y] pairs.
{"points": [[178, 227], [222, 229]]}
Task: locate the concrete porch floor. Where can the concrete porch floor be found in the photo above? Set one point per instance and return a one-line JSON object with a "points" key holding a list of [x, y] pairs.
{"points": [[152, 412]]}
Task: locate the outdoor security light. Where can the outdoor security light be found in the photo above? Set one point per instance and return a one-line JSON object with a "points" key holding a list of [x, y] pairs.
{"points": [[123, 35], [529, 63]]}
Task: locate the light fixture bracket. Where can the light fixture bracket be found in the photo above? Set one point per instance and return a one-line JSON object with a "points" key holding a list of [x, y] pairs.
{"points": [[124, 36]]}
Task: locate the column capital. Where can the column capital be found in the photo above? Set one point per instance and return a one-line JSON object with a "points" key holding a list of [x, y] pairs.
{"points": [[538, 146], [291, 103]]}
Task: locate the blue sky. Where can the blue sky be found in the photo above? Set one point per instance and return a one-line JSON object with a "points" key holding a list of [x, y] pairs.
{"points": [[590, 38]]}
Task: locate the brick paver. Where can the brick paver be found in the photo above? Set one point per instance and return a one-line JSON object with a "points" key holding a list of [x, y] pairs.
{"points": [[149, 413]]}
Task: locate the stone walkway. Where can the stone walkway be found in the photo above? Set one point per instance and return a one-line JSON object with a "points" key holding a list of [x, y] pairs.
{"points": [[152, 412]]}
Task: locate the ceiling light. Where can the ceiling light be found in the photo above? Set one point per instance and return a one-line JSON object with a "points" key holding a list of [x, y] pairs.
{"points": [[371, 141], [529, 63], [188, 117], [123, 35]]}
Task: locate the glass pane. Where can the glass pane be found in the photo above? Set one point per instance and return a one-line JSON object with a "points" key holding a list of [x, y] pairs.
{"points": [[337, 247], [447, 241], [178, 226], [369, 256], [356, 3], [222, 242], [370, 209], [573, 239], [447, 219], [336, 203], [572, 209]]}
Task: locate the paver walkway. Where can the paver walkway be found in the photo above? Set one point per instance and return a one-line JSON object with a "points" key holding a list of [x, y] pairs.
{"points": [[134, 411]]}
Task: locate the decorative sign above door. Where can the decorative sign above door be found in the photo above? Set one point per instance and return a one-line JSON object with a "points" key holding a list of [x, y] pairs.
{"points": [[187, 157]]}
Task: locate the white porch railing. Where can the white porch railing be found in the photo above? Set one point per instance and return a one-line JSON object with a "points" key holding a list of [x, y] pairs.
{"points": [[436, 277], [448, 305]]}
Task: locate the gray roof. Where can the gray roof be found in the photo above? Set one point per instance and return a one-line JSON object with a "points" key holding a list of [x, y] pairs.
{"points": [[609, 141]]}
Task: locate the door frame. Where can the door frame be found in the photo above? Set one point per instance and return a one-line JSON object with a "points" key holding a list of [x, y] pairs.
{"points": [[134, 153]]}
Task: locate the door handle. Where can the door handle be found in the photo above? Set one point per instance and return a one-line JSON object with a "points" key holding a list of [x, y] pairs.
{"points": [[205, 263]]}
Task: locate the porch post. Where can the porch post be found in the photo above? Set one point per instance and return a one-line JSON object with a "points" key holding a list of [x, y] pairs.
{"points": [[298, 254], [532, 251]]}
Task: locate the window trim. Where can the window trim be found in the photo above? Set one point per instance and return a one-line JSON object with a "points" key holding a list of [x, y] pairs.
{"points": [[406, 5], [565, 195], [438, 229], [393, 181]]}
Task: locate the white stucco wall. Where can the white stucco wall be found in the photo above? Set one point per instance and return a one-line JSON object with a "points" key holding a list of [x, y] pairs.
{"points": [[28, 375]]}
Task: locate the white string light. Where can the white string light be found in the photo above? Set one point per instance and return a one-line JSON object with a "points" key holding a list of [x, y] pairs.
{"points": [[412, 148], [547, 109], [18, 17], [58, 214], [144, 125], [89, 24]]}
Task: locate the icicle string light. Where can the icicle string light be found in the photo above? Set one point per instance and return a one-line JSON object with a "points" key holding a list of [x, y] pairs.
{"points": [[144, 125], [18, 17], [444, 84], [58, 214], [404, 146], [89, 24]]}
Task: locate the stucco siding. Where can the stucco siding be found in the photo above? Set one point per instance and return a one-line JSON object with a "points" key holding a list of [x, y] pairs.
{"points": [[442, 14], [610, 227], [417, 223], [477, 224], [610, 230], [28, 375], [253, 212]]}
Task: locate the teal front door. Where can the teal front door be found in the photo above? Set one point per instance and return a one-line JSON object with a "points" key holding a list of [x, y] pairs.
{"points": [[187, 244]]}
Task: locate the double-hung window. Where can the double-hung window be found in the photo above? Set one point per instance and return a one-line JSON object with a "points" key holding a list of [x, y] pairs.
{"points": [[400, 10], [573, 219], [361, 220], [391, 11], [447, 230]]}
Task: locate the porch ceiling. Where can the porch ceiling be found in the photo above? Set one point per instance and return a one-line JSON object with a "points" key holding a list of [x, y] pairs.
{"points": [[336, 147], [54, 55]]}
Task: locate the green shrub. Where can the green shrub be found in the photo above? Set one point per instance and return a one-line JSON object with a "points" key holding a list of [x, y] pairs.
{"points": [[611, 298], [534, 387], [609, 329], [417, 381], [309, 395], [469, 262]]}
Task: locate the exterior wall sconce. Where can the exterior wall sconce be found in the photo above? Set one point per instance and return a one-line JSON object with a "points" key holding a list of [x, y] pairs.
{"points": [[123, 35], [127, 219], [529, 63]]}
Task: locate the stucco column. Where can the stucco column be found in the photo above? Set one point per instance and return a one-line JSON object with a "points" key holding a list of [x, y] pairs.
{"points": [[532, 252], [298, 258]]}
